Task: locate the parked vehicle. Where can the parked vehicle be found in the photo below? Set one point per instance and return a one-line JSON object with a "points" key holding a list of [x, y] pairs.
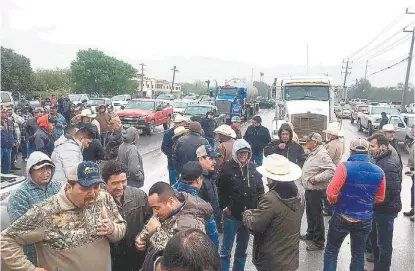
{"points": [[180, 105], [196, 112], [146, 115], [344, 112], [265, 103], [370, 120], [395, 104], [403, 124], [167, 98], [191, 97], [357, 111], [96, 102], [237, 98], [410, 108], [6, 99], [120, 100], [78, 99]]}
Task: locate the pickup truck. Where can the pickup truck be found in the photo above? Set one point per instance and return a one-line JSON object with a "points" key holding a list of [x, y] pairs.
{"points": [[370, 120], [403, 124], [358, 110], [196, 112], [146, 115]]}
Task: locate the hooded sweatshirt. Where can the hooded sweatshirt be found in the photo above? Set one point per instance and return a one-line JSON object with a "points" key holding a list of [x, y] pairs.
{"points": [[29, 194], [239, 186], [43, 139], [67, 154], [292, 151], [276, 224], [128, 154]]}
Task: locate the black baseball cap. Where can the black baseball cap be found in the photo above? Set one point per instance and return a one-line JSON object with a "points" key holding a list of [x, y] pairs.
{"points": [[191, 171]]}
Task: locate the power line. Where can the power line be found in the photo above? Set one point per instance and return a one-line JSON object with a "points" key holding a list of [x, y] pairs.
{"points": [[389, 67], [387, 48], [394, 22], [380, 44]]}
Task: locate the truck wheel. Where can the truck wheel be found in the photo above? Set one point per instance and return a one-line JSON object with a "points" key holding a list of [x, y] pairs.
{"points": [[151, 128], [407, 144], [166, 125], [369, 129], [351, 120], [359, 125]]}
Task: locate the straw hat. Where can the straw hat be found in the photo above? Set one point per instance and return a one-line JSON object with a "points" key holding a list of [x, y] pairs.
{"points": [[225, 130], [333, 129], [279, 168], [388, 128], [180, 131]]}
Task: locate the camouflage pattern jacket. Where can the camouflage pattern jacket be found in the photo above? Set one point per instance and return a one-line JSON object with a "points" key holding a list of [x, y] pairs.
{"points": [[64, 235]]}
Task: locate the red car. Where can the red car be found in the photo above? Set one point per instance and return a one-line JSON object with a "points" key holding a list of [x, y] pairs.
{"points": [[146, 115]]}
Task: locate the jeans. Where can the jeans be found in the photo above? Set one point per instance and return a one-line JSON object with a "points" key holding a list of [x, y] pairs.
{"points": [[339, 228], [381, 237], [15, 152], [314, 212], [24, 146], [232, 228], [172, 176], [258, 158], [327, 206], [6, 157], [104, 139]]}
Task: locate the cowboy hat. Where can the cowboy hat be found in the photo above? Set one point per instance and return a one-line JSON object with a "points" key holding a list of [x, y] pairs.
{"points": [[333, 129], [279, 168], [225, 130], [388, 128], [87, 113], [180, 131]]}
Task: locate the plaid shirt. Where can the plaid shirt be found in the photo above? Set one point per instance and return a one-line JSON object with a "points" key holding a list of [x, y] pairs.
{"points": [[23, 199]]}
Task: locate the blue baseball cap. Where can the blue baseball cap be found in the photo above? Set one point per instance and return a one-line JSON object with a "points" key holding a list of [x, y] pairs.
{"points": [[86, 174], [207, 150]]}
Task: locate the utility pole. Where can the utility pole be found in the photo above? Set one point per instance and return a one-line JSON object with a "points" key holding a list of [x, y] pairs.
{"points": [[408, 69], [346, 73], [142, 77], [367, 61], [261, 76], [174, 75], [252, 76], [307, 58], [208, 83]]}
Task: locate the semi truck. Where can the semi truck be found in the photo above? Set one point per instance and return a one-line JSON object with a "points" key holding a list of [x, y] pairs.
{"points": [[305, 101], [237, 98]]}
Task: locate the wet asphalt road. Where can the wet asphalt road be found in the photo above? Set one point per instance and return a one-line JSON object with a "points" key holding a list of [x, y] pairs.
{"points": [[155, 165]]}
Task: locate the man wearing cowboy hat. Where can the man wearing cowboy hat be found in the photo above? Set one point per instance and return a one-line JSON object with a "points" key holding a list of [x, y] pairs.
{"points": [[276, 241], [167, 145], [225, 135], [318, 170]]}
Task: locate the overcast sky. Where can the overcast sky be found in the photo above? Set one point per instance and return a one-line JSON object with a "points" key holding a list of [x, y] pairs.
{"points": [[264, 33]]}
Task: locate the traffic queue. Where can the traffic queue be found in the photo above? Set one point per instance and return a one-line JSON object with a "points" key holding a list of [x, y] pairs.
{"points": [[81, 206]]}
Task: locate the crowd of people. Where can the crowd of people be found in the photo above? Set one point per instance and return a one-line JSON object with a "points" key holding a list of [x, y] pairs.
{"points": [[81, 208]]}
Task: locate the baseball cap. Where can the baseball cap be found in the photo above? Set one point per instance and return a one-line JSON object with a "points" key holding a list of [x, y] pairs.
{"points": [[191, 171], [41, 164], [315, 137], [195, 127], [359, 144], [207, 150], [86, 174]]}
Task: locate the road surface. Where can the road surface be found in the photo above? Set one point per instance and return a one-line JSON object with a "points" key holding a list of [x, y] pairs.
{"points": [[155, 165]]}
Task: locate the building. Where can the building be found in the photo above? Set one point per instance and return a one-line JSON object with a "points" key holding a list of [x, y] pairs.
{"points": [[153, 87]]}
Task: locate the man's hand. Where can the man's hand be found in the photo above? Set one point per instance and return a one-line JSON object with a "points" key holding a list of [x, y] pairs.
{"points": [[312, 180], [227, 211], [105, 227], [140, 244], [153, 224], [281, 146]]}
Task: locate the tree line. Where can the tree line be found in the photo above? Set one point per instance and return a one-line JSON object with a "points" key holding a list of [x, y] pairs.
{"points": [[92, 72]]}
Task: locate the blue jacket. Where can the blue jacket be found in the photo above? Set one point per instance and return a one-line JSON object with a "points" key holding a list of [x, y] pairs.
{"points": [[211, 229], [44, 142], [167, 146], [258, 138], [357, 196], [391, 165], [8, 135], [58, 119], [209, 193]]}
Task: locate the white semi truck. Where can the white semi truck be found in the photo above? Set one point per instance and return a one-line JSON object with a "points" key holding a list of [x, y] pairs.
{"points": [[305, 101]]}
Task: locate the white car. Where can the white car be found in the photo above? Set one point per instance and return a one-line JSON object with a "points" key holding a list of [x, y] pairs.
{"points": [[370, 119], [403, 124], [78, 99], [96, 102], [180, 105]]}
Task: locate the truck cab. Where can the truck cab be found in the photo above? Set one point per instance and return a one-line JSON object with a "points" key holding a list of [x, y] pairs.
{"points": [[306, 102]]}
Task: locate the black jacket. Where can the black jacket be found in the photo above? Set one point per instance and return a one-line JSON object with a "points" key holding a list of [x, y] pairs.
{"points": [[258, 138], [43, 141], [383, 121], [293, 151], [185, 150], [114, 143], [30, 127], [208, 126], [390, 164], [95, 152], [239, 188], [209, 193]]}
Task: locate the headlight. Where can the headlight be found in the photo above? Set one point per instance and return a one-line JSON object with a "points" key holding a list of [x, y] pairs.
{"points": [[142, 118]]}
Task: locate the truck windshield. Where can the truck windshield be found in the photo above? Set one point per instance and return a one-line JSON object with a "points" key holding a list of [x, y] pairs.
{"points": [[387, 110], [143, 105], [197, 110], [318, 93], [233, 91]]}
